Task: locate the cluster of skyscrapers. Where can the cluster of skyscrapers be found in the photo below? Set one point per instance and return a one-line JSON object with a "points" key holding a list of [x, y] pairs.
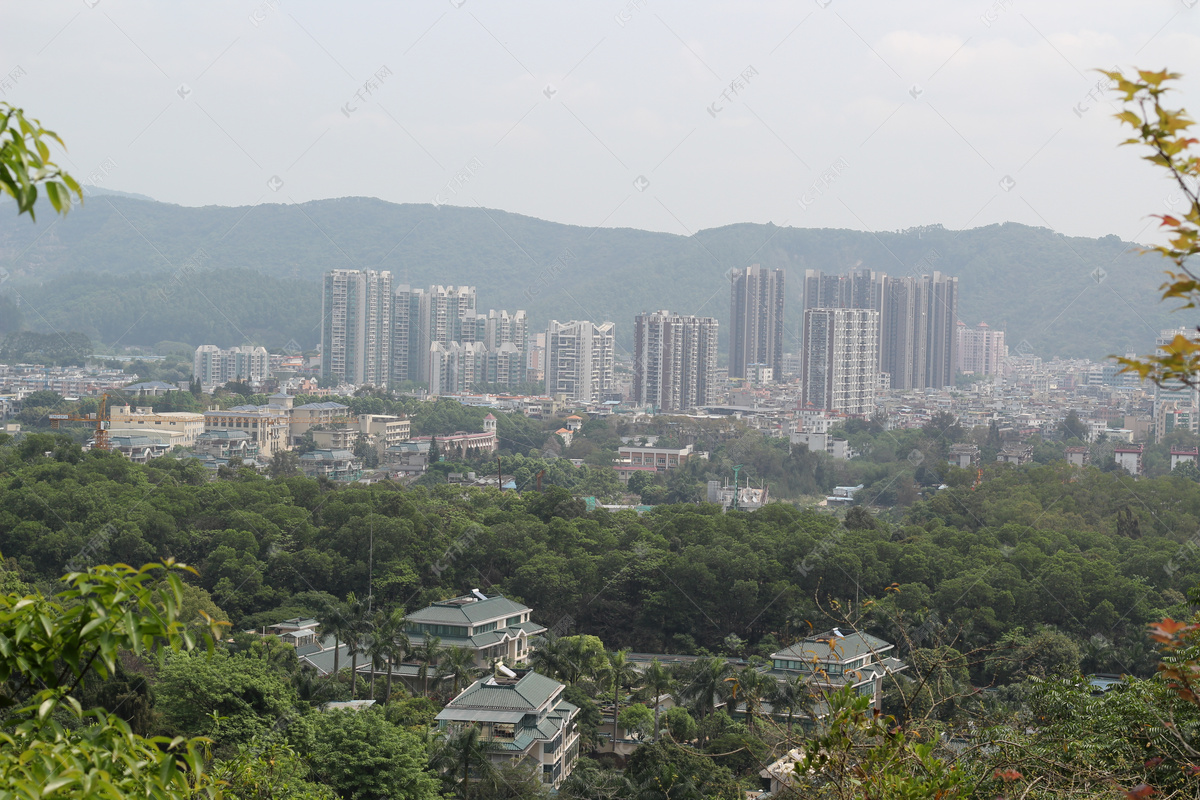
{"points": [[866, 331], [379, 334], [862, 332]]}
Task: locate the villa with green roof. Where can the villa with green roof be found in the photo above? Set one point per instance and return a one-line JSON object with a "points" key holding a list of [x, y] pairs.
{"points": [[521, 716], [495, 628], [833, 660]]}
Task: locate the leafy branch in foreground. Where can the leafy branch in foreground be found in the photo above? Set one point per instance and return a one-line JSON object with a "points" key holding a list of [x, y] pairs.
{"points": [[1165, 132], [50, 746], [25, 163]]}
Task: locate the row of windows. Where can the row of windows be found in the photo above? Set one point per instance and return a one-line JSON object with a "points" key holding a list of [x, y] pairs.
{"points": [[458, 631]]}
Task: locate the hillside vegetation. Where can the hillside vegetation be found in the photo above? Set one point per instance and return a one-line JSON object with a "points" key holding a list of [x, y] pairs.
{"points": [[228, 275]]}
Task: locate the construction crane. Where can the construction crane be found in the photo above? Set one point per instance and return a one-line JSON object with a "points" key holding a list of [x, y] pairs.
{"points": [[101, 418]]}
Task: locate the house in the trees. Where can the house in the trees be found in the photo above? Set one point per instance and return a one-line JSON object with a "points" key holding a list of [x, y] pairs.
{"points": [[522, 717], [833, 660], [495, 628]]}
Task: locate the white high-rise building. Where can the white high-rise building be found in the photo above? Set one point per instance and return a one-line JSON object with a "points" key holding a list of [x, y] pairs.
{"points": [[839, 372], [579, 360], [980, 350], [214, 367], [456, 367], [356, 326], [675, 361]]}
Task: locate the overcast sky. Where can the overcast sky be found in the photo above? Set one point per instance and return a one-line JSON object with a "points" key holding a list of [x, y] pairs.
{"points": [[669, 116]]}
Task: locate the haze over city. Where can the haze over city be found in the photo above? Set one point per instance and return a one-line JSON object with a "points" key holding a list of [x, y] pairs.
{"points": [[665, 116], [621, 400]]}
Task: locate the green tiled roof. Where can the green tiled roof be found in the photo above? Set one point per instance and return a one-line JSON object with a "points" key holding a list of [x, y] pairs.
{"points": [[468, 613], [831, 647], [531, 692]]}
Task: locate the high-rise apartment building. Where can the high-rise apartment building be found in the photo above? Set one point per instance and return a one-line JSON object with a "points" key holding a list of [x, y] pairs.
{"points": [[409, 347], [917, 319], [213, 366], [447, 316], [356, 326], [980, 350], [579, 359], [674, 361], [756, 321], [839, 371]]}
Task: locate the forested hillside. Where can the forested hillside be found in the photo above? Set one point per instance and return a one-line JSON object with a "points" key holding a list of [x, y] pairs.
{"points": [[117, 258], [1091, 554]]}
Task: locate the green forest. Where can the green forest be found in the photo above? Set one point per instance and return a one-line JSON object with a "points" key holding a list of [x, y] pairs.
{"points": [[1004, 593]]}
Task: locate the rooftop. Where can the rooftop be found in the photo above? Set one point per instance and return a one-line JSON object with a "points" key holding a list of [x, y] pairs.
{"points": [[528, 692], [467, 610], [833, 645]]}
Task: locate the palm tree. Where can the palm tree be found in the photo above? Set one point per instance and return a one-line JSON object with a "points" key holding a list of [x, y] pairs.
{"points": [[657, 680], [429, 654], [619, 673], [794, 695], [706, 686], [548, 657], [459, 664], [354, 635], [333, 622], [310, 686], [400, 646], [457, 755], [751, 687], [381, 643]]}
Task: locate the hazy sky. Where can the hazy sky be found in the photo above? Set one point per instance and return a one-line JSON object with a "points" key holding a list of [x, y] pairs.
{"points": [[669, 116]]}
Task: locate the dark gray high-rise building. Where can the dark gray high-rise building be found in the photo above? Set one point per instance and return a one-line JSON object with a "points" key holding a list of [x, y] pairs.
{"points": [[917, 315], [756, 321], [674, 361]]}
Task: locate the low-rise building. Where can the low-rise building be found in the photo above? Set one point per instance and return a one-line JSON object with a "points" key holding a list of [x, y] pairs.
{"points": [[833, 660], [824, 442], [522, 717], [465, 445], [1078, 456], [297, 632], [221, 444], [661, 458], [1129, 457], [964, 456], [139, 449], [189, 425], [1181, 455], [1015, 454], [337, 465], [267, 425], [495, 628]]}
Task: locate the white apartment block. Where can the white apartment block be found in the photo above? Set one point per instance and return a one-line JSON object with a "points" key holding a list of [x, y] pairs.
{"points": [[214, 366], [579, 360], [356, 326], [840, 350], [980, 350]]}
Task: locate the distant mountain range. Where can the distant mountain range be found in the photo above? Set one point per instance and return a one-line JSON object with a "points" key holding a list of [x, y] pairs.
{"points": [[126, 270]]}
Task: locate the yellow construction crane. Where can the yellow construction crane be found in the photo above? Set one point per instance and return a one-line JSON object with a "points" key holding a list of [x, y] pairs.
{"points": [[101, 418]]}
